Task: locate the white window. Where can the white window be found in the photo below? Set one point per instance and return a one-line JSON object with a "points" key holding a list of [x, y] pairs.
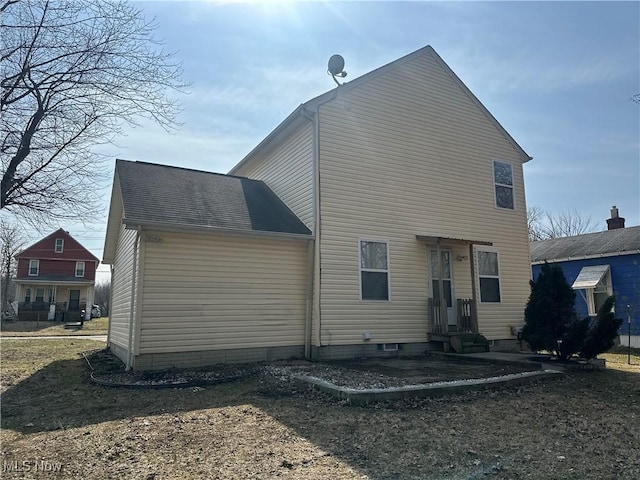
{"points": [[59, 245], [488, 276], [374, 270], [503, 185], [79, 269], [34, 267], [595, 280], [52, 295]]}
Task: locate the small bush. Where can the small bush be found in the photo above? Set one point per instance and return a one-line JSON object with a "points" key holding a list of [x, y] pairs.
{"points": [[574, 337], [603, 332], [551, 323], [550, 315]]}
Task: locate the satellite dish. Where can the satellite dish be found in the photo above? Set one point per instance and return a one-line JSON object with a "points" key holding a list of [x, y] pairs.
{"points": [[336, 68], [336, 65]]}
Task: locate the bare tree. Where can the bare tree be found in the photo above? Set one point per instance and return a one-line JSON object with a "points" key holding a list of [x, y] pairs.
{"points": [[543, 225], [568, 224], [74, 73], [11, 243], [535, 225]]}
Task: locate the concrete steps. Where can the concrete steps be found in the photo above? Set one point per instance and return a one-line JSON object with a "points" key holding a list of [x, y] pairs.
{"points": [[468, 343]]}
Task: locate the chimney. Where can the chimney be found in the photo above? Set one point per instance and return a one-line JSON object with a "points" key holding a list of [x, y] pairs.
{"points": [[615, 221]]}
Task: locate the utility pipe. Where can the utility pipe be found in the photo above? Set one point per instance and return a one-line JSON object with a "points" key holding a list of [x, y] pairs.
{"points": [[133, 297]]}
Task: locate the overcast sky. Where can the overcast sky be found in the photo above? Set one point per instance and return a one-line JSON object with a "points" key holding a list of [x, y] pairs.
{"points": [[558, 76]]}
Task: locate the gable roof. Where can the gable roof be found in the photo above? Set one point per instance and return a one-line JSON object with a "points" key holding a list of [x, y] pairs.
{"points": [[297, 115], [72, 250], [621, 241], [164, 196]]}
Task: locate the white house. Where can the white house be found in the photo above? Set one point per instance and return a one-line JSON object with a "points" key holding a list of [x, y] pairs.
{"points": [[384, 217]]}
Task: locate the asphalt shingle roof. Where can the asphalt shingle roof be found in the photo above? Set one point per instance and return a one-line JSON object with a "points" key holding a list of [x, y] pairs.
{"points": [[173, 196], [609, 242]]}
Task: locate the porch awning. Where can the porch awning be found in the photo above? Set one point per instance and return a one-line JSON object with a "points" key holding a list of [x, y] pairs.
{"points": [[456, 241], [53, 280], [589, 277]]}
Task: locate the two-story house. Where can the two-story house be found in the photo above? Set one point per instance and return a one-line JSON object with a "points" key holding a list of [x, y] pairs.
{"points": [[384, 217], [55, 279]]}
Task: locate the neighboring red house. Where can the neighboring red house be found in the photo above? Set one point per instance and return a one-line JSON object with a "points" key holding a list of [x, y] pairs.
{"points": [[55, 279]]}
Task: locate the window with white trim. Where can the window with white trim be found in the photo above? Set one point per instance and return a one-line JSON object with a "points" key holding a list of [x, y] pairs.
{"points": [[34, 267], [595, 286], [488, 276], [503, 185], [79, 269], [59, 245], [599, 294], [374, 270], [52, 295], [39, 295], [27, 295]]}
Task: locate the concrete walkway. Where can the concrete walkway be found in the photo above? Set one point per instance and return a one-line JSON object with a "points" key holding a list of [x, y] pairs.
{"points": [[98, 338], [524, 367], [514, 358]]}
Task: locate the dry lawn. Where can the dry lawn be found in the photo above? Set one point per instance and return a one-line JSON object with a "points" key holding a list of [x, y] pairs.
{"points": [[96, 326], [585, 425]]}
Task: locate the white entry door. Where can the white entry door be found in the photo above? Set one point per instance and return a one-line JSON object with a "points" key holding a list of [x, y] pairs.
{"points": [[447, 281]]}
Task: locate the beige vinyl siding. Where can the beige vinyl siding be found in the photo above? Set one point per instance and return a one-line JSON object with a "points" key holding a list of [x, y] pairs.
{"points": [[121, 285], [287, 170], [215, 292], [408, 153]]}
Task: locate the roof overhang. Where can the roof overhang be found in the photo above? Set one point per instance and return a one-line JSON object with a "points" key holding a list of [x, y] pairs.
{"points": [[28, 281], [585, 257], [435, 240], [116, 212], [590, 277], [185, 228]]}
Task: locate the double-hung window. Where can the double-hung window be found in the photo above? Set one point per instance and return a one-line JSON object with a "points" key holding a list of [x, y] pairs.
{"points": [[27, 295], [79, 269], [34, 267], [39, 295], [374, 270], [488, 276], [503, 184], [59, 245]]}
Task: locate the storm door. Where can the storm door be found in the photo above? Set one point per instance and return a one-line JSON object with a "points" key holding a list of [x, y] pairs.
{"points": [[447, 282]]}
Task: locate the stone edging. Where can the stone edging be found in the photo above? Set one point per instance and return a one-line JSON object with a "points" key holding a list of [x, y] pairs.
{"points": [[360, 397]]}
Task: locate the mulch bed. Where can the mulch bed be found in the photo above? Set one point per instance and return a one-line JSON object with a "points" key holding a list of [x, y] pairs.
{"points": [[107, 370]]}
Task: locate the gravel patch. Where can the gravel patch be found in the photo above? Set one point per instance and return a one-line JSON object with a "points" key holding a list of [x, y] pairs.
{"points": [[355, 375]]}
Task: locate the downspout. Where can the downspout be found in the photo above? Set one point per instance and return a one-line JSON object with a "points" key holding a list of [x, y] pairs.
{"points": [[316, 227], [313, 249], [110, 305], [309, 311], [133, 297]]}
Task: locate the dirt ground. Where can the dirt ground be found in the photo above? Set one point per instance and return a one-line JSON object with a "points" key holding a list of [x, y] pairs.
{"points": [[585, 425]]}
